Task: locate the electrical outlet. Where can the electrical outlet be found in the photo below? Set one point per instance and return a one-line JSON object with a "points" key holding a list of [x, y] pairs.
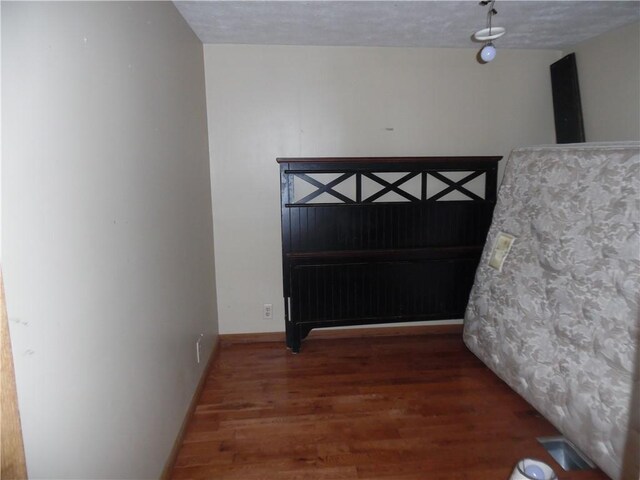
{"points": [[267, 311], [198, 345]]}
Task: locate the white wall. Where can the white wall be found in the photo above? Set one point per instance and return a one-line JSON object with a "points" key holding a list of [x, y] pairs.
{"points": [[276, 101], [609, 78], [107, 231]]}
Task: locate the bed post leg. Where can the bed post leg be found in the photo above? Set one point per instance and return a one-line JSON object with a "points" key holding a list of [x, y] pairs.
{"points": [[295, 340]]}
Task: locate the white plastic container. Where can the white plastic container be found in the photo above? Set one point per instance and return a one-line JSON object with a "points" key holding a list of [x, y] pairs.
{"points": [[531, 469]]}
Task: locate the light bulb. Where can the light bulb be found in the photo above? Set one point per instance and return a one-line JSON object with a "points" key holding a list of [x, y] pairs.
{"points": [[488, 53]]}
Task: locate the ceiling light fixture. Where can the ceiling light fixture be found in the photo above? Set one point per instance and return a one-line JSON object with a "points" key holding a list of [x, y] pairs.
{"points": [[489, 34]]}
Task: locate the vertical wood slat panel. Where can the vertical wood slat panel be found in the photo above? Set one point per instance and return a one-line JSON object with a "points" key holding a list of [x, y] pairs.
{"points": [[383, 289]]}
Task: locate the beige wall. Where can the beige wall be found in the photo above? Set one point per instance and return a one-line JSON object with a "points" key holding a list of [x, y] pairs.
{"points": [[107, 231], [273, 101], [609, 77]]}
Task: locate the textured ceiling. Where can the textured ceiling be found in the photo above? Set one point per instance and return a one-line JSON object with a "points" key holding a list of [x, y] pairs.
{"points": [[529, 24]]}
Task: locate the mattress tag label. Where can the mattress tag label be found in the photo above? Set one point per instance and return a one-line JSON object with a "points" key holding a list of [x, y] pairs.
{"points": [[501, 248]]}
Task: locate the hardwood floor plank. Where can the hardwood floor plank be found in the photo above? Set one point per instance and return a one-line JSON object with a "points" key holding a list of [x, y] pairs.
{"points": [[398, 407]]}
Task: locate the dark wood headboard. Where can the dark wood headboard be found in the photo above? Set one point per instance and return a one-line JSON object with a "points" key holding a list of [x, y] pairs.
{"points": [[381, 239]]}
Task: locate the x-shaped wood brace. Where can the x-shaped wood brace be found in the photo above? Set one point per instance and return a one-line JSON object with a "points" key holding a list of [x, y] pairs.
{"points": [[456, 185], [322, 188], [391, 187]]}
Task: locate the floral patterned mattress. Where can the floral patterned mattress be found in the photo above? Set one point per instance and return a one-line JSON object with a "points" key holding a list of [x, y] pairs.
{"points": [[555, 315]]}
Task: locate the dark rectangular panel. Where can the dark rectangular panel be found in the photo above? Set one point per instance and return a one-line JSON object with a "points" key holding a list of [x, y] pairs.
{"points": [[388, 226], [382, 290], [567, 107]]}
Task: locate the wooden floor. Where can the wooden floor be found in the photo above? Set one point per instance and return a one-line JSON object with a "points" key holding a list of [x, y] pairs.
{"points": [[400, 407]]}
